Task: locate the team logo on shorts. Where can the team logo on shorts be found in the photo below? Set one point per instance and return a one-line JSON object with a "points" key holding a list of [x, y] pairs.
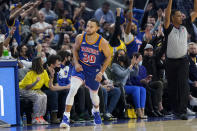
{"points": [[97, 70], [83, 43]]}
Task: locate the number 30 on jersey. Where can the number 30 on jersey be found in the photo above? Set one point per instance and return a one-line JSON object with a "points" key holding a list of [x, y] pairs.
{"points": [[89, 58]]}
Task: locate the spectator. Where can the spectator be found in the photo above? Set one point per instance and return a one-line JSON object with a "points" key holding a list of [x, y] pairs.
{"points": [[64, 40], [59, 8], [48, 13], [30, 89], [4, 44], [105, 13], [156, 86], [131, 42], [65, 70], [193, 70], [55, 99], [25, 60], [47, 49], [16, 15], [111, 97], [122, 70], [81, 13], [42, 27], [115, 42]]}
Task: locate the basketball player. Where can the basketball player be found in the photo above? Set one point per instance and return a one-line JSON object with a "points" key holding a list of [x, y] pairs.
{"points": [[89, 53]]}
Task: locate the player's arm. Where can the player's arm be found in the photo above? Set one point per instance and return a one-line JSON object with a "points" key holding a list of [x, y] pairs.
{"points": [[194, 13], [167, 15], [106, 51], [76, 49]]}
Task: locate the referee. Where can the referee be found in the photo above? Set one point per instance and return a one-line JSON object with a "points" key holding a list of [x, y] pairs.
{"points": [[177, 63]]}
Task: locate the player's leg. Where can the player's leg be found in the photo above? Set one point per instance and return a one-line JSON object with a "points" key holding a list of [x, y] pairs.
{"points": [[75, 84], [95, 111]]}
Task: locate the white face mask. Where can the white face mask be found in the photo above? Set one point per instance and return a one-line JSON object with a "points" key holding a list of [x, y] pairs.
{"points": [[44, 59], [140, 63], [31, 42], [14, 44], [69, 51]]}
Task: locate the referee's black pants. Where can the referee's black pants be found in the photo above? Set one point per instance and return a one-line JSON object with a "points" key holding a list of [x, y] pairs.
{"points": [[177, 75]]}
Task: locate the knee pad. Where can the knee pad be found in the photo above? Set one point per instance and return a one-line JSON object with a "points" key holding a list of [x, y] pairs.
{"points": [[75, 84], [95, 98]]}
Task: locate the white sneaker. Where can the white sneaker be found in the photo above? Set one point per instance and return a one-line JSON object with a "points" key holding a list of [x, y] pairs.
{"points": [[190, 112], [65, 122], [43, 121], [36, 121], [193, 102]]}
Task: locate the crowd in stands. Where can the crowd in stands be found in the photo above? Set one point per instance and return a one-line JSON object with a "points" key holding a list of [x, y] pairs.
{"points": [[40, 35]]}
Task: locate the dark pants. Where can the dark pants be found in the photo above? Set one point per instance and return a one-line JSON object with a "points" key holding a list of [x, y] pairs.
{"points": [[82, 101], [154, 95], [193, 91], [177, 75], [56, 101]]}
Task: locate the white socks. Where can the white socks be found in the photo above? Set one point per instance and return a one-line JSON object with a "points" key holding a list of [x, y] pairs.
{"points": [[67, 114]]}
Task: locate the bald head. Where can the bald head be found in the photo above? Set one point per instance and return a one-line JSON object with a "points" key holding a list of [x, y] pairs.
{"points": [[192, 49]]}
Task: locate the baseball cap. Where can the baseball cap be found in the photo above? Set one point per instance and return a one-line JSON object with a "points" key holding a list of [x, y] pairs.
{"points": [[148, 46]]}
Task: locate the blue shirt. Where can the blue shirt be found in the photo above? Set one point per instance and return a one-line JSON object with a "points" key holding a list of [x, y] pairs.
{"points": [[133, 46], [17, 31], [64, 75], [108, 17], [135, 80]]}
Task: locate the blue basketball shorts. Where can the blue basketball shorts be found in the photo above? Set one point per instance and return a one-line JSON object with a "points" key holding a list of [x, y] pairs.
{"points": [[88, 75]]}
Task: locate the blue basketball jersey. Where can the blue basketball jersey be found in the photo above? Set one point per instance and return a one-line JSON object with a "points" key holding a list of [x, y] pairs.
{"points": [[90, 53], [133, 46]]}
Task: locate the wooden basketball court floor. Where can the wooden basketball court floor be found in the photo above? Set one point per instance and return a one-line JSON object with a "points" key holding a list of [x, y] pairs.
{"points": [[151, 124]]}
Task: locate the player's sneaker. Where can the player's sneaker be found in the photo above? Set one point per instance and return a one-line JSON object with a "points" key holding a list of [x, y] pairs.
{"points": [[97, 118], [36, 121], [65, 122], [43, 121]]}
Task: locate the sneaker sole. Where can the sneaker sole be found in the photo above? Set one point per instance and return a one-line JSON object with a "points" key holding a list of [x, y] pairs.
{"points": [[64, 125]]}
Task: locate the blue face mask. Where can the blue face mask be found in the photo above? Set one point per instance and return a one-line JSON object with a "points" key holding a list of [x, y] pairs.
{"points": [[140, 63], [31, 43]]}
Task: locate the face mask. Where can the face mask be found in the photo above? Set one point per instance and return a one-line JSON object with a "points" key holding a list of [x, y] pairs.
{"points": [[140, 63], [122, 58], [15, 44], [133, 32], [67, 63], [44, 60], [69, 51], [57, 69], [192, 55], [31, 42]]}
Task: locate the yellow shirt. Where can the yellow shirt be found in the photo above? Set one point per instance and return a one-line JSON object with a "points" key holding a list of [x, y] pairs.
{"points": [[61, 21], [114, 49], [31, 77]]}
